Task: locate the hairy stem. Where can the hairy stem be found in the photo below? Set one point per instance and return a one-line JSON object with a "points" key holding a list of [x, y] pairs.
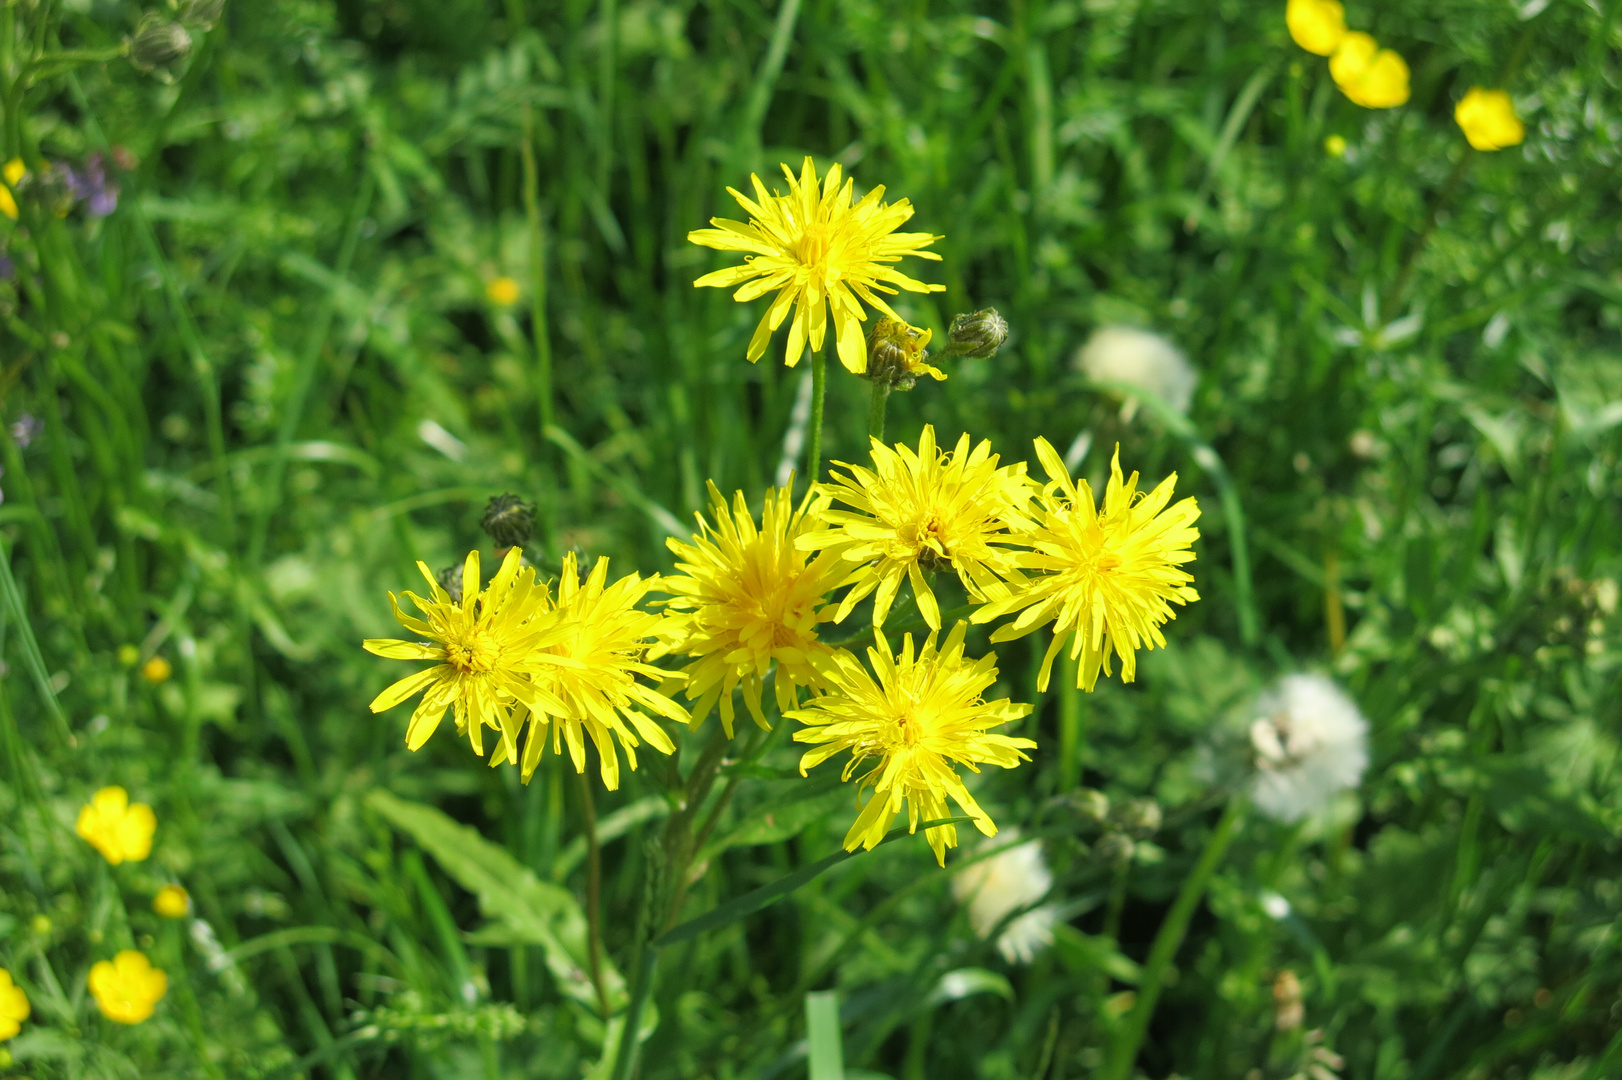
{"points": [[819, 390], [875, 409], [594, 894]]}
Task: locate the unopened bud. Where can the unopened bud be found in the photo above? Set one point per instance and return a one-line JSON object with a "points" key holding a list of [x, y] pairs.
{"points": [[1091, 805], [200, 13], [1287, 1010], [1138, 818], [158, 42], [977, 334], [509, 520], [1114, 848], [450, 579], [895, 354]]}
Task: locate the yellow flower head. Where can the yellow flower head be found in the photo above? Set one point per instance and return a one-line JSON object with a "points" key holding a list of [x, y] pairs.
{"points": [[917, 721], [918, 512], [120, 830], [127, 987], [747, 597], [172, 902], [13, 1007], [12, 172], [1370, 76], [819, 253], [157, 670], [1107, 577], [1488, 119], [502, 291], [1316, 25], [593, 646], [480, 645]]}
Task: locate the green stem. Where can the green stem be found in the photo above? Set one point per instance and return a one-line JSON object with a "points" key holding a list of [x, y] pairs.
{"points": [[819, 390], [641, 988], [875, 410], [594, 893], [1136, 1023]]}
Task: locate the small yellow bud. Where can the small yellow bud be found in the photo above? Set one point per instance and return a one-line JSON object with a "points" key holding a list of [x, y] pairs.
{"points": [[1335, 146], [40, 925], [502, 291], [172, 902], [157, 670], [1316, 25], [1488, 119], [1370, 76], [129, 655]]}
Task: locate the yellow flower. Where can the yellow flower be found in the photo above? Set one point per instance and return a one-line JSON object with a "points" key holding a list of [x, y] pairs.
{"points": [[502, 291], [120, 830], [920, 718], [593, 646], [747, 597], [127, 987], [1108, 576], [918, 512], [819, 253], [481, 645], [1488, 119], [1370, 76], [172, 902], [13, 171], [13, 1007], [1316, 25], [157, 670], [1335, 146]]}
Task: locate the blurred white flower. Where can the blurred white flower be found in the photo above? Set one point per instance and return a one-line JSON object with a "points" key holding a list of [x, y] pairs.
{"points": [[1311, 744], [1139, 358], [996, 887]]}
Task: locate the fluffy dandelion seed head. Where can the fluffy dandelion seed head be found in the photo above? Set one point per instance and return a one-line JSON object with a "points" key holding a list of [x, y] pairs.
{"points": [[119, 829], [822, 253], [1105, 576], [1311, 744], [1140, 359], [1488, 119], [996, 887], [1316, 25], [1368, 75], [746, 598], [907, 730], [127, 988], [592, 642], [478, 645], [13, 1006], [920, 511]]}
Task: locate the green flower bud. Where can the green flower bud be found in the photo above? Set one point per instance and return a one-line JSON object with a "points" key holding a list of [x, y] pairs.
{"points": [[1138, 818], [509, 520], [895, 354], [450, 579], [199, 13], [158, 42], [1114, 848], [978, 334]]}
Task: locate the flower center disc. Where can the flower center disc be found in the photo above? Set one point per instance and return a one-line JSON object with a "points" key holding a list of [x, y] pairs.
{"points": [[813, 247], [475, 656]]}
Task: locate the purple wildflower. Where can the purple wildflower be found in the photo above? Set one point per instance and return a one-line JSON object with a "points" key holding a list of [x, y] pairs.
{"points": [[92, 185], [27, 428]]}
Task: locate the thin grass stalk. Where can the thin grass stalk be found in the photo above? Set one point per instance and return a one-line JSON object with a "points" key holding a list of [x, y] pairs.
{"points": [[1136, 1023]]}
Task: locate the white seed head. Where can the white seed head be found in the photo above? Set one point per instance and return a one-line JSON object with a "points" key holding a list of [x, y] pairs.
{"points": [[1311, 744], [1139, 358]]}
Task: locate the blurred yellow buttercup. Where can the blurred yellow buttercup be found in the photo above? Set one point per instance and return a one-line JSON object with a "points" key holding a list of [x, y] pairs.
{"points": [[1335, 146], [13, 171], [503, 291], [157, 670], [119, 829], [13, 1006], [1488, 119], [1370, 76], [172, 902], [127, 987], [1316, 25]]}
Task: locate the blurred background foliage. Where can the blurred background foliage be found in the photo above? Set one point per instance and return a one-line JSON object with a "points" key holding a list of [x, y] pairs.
{"points": [[238, 408]]}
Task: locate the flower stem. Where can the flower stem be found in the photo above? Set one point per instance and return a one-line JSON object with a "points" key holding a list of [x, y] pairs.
{"points": [[819, 390], [1136, 1023], [875, 410], [594, 893]]}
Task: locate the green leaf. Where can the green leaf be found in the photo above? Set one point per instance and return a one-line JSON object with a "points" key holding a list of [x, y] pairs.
{"points": [[1085, 952], [966, 982], [782, 819], [824, 1040]]}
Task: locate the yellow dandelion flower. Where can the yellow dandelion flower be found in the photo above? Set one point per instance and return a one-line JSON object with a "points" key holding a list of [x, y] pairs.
{"points": [[1488, 119], [923, 716], [1316, 25], [127, 987], [1107, 576], [172, 902], [481, 644], [1370, 76], [119, 829], [157, 670], [916, 512], [820, 253], [594, 643], [12, 172], [746, 598], [13, 1007], [502, 291]]}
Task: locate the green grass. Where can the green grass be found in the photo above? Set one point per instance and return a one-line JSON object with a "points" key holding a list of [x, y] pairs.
{"points": [[1410, 374]]}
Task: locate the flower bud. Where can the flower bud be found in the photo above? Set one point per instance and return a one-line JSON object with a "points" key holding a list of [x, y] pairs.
{"points": [[1090, 805], [450, 579], [509, 520], [1114, 848], [1138, 818], [158, 42], [200, 13], [895, 354], [978, 334]]}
